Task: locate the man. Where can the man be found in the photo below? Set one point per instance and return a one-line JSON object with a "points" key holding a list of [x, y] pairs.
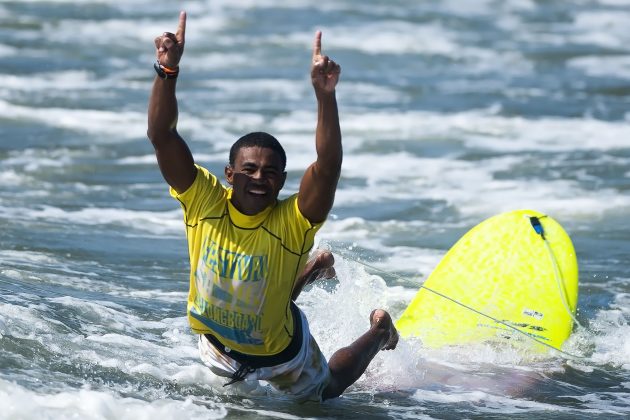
{"points": [[248, 249]]}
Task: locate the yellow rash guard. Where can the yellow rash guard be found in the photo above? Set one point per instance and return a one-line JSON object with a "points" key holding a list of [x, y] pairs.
{"points": [[242, 268]]}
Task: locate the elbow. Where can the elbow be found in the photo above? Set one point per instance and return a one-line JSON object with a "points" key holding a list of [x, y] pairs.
{"points": [[331, 170], [150, 134], [158, 137], [154, 138], [153, 135], [331, 158], [335, 170], [338, 163], [335, 164]]}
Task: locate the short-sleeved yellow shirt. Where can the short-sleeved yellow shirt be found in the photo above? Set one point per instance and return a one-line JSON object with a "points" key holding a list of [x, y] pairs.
{"points": [[242, 268]]}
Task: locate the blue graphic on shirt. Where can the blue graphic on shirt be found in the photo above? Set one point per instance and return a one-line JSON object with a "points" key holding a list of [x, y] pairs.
{"points": [[230, 293], [232, 265], [240, 335]]}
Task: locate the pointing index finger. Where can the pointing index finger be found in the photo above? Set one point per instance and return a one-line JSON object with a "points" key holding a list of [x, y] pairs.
{"points": [[181, 28], [317, 44]]}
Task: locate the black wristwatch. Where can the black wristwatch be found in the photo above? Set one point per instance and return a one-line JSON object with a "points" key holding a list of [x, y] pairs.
{"points": [[164, 72]]}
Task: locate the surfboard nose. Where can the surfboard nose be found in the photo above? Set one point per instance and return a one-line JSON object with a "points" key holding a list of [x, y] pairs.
{"points": [[513, 278]]}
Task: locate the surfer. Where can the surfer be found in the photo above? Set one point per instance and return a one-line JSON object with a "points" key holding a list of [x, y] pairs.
{"points": [[247, 248]]}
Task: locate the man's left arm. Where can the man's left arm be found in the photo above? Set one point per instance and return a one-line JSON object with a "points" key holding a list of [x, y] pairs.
{"points": [[319, 183]]}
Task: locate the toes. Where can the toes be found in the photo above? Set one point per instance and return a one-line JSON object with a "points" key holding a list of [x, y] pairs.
{"points": [[393, 340], [381, 319], [327, 273], [321, 266], [373, 319], [325, 259]]}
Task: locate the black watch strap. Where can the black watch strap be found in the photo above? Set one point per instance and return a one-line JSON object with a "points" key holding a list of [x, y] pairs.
{"points": [[165, 73]]}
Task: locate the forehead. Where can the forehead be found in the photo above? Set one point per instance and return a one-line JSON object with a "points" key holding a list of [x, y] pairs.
{"points": [[259, 156]]}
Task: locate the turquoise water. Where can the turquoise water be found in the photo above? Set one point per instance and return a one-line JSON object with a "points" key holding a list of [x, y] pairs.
{"points": [[451, 112]]}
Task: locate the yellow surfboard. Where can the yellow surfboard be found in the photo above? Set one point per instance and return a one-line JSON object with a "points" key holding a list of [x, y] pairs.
{"points": [[513, 278]]}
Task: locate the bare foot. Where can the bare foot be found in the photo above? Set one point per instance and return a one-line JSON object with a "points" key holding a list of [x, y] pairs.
{"points": [[319, 267], [382, 320]]}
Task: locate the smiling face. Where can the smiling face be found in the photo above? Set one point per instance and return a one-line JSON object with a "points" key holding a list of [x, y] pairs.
{"points": [[256, 178]]}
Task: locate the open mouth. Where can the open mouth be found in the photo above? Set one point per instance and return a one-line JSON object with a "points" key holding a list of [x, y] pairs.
{"points": [[257, 191]]}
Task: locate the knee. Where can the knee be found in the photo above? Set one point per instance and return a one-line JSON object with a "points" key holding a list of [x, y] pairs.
{"points": [[332, 390]]}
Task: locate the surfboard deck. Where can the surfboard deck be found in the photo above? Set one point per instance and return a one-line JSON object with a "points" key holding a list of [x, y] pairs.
{"points": [[502, 281]]}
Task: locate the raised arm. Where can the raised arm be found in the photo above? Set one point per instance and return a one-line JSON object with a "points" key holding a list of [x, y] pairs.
{"points": [[319, 183], [173, 155]]}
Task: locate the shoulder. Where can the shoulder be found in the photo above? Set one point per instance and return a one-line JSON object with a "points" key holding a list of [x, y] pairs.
{"points": [[205, 192], [203, 180], [288, 211], [286, 222]]}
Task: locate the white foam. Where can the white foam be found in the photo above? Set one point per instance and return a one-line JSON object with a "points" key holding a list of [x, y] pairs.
{"points": [[108, 126], [91, 32], [27, 322], [156, 294], [481, 129], [138, 160], [79, 1], [486, 403], [413, 263], [221, 157], [602, 66], [155, 223], [485, 8], [370, 93], [163, 359], [614, 2], [32, 160], [265, 89], [98, 316], [21, 403], [218, 128], [325, 309], [10, 177], [404, 38], [63, 80], [474, 129], [385, 37], [7, 51], [30, 257], [461, 183], [610, 334], [111, 337], [610, 403], [604, 28]]}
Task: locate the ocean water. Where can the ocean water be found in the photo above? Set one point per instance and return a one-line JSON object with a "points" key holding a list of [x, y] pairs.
{"points": [[451, 112]]}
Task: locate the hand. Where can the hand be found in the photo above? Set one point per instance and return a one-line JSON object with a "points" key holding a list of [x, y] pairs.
{"points": [[324, 71], [170, 47]]}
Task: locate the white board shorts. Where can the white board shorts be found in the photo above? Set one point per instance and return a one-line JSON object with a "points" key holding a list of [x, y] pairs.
{"points": [[304, 377]]}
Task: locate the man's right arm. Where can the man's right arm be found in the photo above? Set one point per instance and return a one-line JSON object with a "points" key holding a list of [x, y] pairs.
{"points": [[173, 155]]}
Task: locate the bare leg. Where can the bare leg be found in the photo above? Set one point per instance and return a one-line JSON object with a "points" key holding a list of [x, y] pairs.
{"points": [[318, 267], [348, 364]]}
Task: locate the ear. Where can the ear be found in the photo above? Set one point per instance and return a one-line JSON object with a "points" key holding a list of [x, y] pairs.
{"points": [[229, 174], [284, 178]]}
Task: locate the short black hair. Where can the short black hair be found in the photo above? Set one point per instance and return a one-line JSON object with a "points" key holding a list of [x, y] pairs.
{"points": [[258, 139]]}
